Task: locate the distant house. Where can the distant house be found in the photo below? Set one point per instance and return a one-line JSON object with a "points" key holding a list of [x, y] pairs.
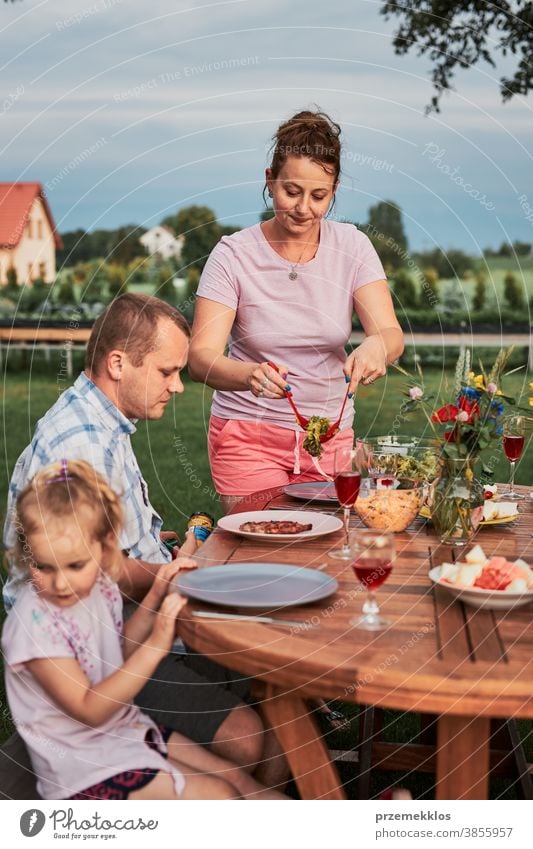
{"points": [[28, 235], [162, 240]]}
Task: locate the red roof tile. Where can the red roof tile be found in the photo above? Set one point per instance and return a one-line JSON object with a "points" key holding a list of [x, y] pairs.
{"points": [[16, 200]]}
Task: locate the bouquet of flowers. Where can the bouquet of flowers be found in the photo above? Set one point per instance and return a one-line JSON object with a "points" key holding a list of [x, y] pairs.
{"points": [[472, 419]]}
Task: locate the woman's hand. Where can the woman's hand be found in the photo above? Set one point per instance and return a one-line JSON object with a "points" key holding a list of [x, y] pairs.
{"points": [[164, 630], [367, 363], [266, 382]]}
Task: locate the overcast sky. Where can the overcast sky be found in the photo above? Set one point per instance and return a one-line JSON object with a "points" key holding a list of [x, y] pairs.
{"points": [[127, 110]]}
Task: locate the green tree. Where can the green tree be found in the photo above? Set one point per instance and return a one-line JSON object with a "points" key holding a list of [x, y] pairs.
{"points": [[266, 215], [34, 295], [12, 286], [116, 280], [512, 292], [480, 292], [522, 248], [386, 218], [193, 278], [201, 231], [95, 288], [119, 245], [404, 290], [138, 270], [506, 249], [429, 291], [453, 299], [458, 34], [65, 293], [448, 264], [125, 244], [165, 288]]}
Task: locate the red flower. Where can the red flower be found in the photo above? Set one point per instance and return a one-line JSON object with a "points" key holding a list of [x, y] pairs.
{"points": [[447, 413], [451, 435], [470, 407]]}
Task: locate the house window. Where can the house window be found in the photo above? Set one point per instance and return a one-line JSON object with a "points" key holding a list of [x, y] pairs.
{"points": [[39, 229], [29, 229], [42, 269]]}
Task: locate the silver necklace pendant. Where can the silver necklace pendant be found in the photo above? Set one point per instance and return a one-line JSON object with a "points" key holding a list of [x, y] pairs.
{"points": [[293, 274]]}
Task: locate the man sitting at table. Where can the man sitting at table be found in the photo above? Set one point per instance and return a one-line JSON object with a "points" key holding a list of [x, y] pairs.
{"points": [[135, 354]]}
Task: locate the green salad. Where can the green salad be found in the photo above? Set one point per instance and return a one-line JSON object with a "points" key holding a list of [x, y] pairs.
{"points": [[316, 428], [423, 466]]}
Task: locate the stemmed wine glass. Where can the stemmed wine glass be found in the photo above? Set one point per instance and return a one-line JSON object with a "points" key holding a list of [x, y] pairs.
{"points": [[373, 554], [347, 474], [514, 433]]}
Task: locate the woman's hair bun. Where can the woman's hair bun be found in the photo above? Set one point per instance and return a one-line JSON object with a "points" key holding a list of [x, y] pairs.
{"points": [[312, 134]]}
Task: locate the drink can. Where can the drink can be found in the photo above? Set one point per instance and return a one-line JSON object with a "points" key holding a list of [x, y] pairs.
{"points": [[201, 524]]}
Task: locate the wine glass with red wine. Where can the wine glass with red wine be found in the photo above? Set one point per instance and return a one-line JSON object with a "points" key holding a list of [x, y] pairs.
{"points": [[373, 554], [347, 475], [514, 434]]}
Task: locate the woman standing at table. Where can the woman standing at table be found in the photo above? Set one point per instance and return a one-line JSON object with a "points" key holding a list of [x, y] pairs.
{"points": [[285, 290]]}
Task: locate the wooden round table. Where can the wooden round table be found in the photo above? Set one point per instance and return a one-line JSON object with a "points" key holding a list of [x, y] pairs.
{"points": [[439, 656]]}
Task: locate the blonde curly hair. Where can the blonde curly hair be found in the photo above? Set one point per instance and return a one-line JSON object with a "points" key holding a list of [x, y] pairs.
{"points": [[62, 490]]}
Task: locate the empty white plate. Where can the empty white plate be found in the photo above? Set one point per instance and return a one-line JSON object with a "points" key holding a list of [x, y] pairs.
{"points": [[257, 585], [312, 491]]}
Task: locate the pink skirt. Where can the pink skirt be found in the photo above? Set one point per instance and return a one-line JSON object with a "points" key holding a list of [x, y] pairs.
{"points": [[248, 456]]}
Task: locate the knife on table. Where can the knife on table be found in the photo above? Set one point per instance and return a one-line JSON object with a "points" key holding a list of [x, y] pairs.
{"points": [[242, 617]]}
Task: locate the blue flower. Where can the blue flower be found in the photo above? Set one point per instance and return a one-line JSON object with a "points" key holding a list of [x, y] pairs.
{"points": [[470, 393], [496, 410]]}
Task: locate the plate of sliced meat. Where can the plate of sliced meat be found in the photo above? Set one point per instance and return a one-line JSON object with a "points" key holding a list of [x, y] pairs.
{"points": [[280, 525]]}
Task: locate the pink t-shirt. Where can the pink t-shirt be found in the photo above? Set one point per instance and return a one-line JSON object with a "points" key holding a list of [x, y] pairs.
{"points": [[304, 323], [68, 756]]}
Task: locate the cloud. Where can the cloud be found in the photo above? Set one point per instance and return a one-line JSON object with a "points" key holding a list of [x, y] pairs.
{"points": [[162, 103]]}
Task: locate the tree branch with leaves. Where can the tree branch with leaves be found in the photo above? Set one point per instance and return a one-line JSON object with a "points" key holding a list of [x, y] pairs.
{"points": [[457, 35]]}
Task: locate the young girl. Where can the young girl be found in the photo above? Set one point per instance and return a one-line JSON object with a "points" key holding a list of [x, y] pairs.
{"points": [[73, 669]]}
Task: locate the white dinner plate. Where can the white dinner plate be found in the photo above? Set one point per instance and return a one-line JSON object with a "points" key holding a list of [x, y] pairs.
{"points": [[257, 585], [476, 597], [312, 491], [321, 522]]}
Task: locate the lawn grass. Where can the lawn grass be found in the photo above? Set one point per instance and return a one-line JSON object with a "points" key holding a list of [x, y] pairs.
{"points": [[172, 455], [172, 452]]}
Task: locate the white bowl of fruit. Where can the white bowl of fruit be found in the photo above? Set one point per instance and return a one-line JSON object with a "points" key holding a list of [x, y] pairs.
{"points": [[491, 582]]}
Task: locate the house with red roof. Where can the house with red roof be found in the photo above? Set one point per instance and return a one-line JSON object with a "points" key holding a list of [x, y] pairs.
{"points": [[28, 235]]}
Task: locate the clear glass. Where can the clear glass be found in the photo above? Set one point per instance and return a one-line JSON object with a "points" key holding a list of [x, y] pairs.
{"points": [[514, 434], [456, 501], [347, 475], [373, 554]]}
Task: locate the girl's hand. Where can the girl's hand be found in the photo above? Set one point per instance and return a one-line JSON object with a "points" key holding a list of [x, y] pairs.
{"points": [[184, 563], [163, 580], [367, 363], [164, 630], [266, 382]]}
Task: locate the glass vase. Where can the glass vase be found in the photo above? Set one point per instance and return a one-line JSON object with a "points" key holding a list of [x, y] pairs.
{"points": [[456, 502]]}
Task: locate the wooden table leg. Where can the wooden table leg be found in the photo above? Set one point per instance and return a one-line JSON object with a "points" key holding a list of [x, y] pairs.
{"points": [[462, 757], [305, 750]]}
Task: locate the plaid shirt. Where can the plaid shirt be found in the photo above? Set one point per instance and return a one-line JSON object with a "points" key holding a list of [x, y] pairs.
{"points": [[84, 424]]}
